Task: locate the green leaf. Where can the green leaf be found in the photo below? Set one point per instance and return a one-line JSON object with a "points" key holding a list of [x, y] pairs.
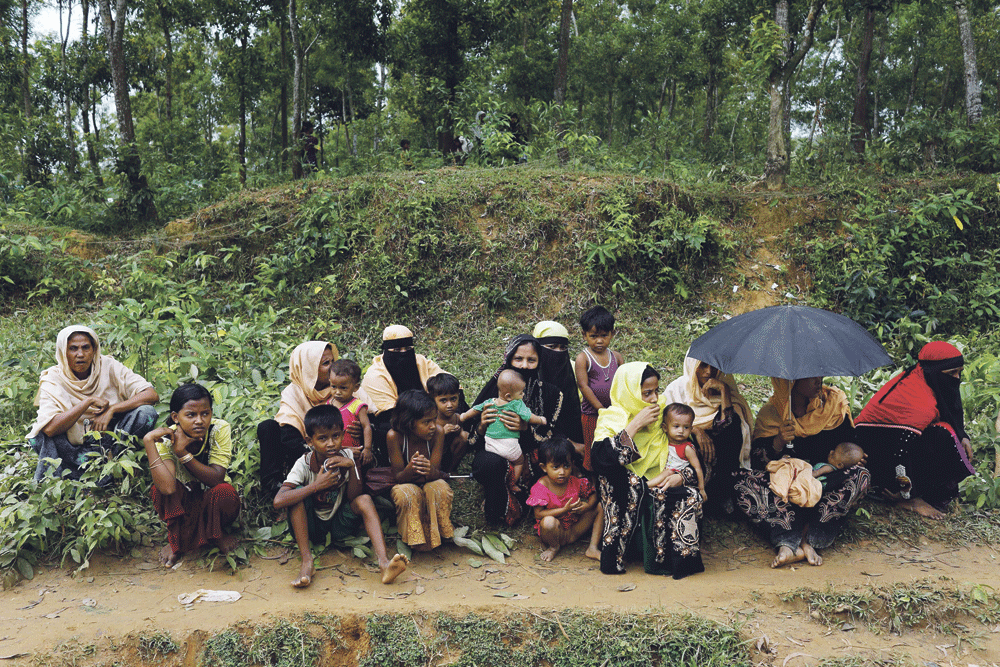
{"points": [[24, 567], [492, 552], [497, 543], [404, 548], [471, 545]]}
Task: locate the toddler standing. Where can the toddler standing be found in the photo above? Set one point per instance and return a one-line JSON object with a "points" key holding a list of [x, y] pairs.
{"points": [[595, 369]]}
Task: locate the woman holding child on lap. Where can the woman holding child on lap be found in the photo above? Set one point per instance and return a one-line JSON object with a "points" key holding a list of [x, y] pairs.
{"points": [[807, 421], [642, 486], [504, 493]]}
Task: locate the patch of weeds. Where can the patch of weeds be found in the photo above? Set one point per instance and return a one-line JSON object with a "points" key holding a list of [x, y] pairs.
{"points": [[902, 606], [283, 644], [479, 640], [69, 653], [962, 525], [395, 640], [330, 625], [867, 661], [593, 639], [226, 649], [156, 645]]}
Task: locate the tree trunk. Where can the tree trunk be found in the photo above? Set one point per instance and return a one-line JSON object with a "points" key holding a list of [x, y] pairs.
{"points": [[973, 89], [95, 164], [29, 165], [129, 163], [860, 132], [820, 103], [779, 88], [241, 80], [298, 54], [73, 161], [284, 98], [168, 61], [354, 134], [562, 73]]}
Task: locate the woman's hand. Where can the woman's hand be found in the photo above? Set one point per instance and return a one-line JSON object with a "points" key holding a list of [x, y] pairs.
{"points": [[706, 446], [967, 444], [786, 433], [716, 386], [643, 418], [180, 442], [512, 421], [668, 482], [102, 420], [420, 464]]}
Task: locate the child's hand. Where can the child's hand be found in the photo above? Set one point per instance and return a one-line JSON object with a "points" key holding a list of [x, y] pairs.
{"points": [[704, 496], [327, 478], [420, 464], [451, 428], [338, 462], [366, 455], [578, 507]]}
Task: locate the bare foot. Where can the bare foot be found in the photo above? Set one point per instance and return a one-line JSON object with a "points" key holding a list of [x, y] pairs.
{"points": [[227, 543], [167, 556], [785, 556], [593, 552], [923, 508], [812, 556], [549, 554], [305, 574], [395, 568]]}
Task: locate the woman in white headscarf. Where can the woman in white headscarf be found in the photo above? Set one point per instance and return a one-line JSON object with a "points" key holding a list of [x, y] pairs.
{"points": [[282, 439], [722, 426], [85, 394]]}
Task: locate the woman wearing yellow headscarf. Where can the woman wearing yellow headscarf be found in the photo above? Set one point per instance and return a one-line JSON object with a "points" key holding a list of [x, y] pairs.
{"points": [[630, 448], [806, 420]]}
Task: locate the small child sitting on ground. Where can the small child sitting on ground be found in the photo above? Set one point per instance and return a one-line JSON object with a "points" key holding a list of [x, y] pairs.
{"points": [[678, 420], [565, 506], [500, 439], [345, 380], [446, 392], [595, 369], [841, 457], [315, 491]]}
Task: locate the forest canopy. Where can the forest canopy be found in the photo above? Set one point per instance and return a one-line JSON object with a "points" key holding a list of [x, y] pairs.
{"points": [[147, 109]]}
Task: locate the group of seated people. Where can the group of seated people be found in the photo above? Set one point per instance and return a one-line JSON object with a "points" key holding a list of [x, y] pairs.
{"points": [[593, 446]]}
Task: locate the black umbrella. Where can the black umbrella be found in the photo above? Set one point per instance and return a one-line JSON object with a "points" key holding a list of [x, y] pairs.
{"points": [[790, 342]]}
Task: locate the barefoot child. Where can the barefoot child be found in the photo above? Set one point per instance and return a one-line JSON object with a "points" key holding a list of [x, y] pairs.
{"points": [[677, 423], [422, 498], [345, 380], [315, 491], [565, 506], [445, 390], [843, 456], [595, 368], [500, 439], [188, 461]]}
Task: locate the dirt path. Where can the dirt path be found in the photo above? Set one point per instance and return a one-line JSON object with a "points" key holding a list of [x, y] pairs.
{"points": [[116, 597]]}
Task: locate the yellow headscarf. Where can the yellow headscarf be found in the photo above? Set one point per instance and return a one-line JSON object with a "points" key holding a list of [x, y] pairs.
{"points": [[825, 411], [686, 390], [549, 329], [301, 395], [626, 402]]}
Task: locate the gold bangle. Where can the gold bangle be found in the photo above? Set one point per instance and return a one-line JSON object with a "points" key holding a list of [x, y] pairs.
{"points": [[187, 458]]}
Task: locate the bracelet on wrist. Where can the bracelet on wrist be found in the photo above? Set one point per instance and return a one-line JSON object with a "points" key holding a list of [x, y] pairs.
{"points": [[187, 458]]}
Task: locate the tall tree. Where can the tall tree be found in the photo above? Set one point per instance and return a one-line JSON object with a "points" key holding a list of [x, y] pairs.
{"points": [[860, 130], [89, 139], [782, 70], [298, 96], [562, 70], [973, 89], [129, 163]]}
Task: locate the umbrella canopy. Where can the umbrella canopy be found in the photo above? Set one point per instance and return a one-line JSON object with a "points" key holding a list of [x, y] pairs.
{"points": [[790, 342]]}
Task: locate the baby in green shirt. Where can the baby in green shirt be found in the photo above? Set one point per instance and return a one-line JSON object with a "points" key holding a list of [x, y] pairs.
{"points": [[500, 439]]}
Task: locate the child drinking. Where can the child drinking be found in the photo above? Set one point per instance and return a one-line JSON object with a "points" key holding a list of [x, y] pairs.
{"points": [[446, 392], [499, 439], [345, 380], [422, 498], [565, 506], [843, 456], [595, 368], [315, 491], [678, 420]]}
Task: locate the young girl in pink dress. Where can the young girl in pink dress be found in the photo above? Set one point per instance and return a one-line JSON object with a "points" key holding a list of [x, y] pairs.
{"points": [[565, 506]]}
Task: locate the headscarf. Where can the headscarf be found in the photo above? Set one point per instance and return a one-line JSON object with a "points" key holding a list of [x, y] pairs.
{"points": [[301, 395], [922, 394], [59, 389], [686, 390], [556, 368], [392, 373], [626, 402], [826, 411]]}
